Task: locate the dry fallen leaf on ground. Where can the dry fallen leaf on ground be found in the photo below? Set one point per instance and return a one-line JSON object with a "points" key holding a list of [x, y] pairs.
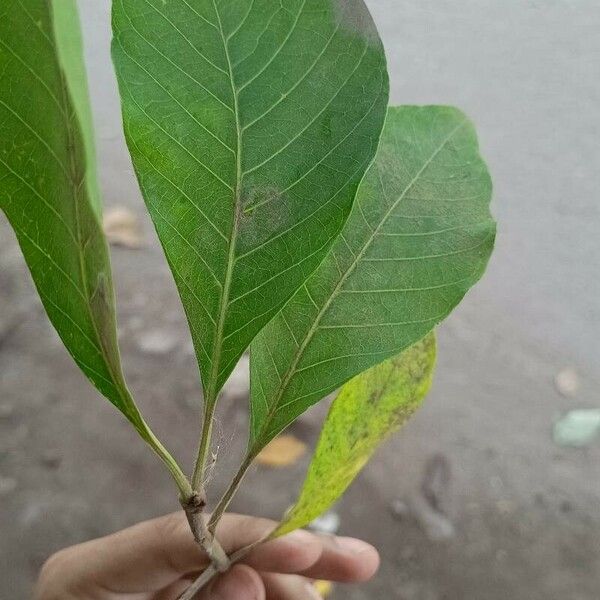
{"points": [[281, 452], [122, 228]]}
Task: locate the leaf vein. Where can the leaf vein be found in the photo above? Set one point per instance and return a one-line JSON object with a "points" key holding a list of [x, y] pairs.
{"points": [[427, 256], [183, 71], [178, 143], [38, 136], [313, 120], [184, 37], [279, 49], [300, 80], [316, 325]]}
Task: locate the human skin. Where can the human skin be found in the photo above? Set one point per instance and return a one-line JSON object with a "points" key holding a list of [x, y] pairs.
{"points": [[158, 559]]}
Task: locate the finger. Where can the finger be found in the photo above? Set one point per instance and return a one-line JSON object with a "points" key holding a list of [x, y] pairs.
{"points": [[344, 559], [239, 583], [240, 580], [292, 553], [144, 558], [175, 590], [289, 587]]}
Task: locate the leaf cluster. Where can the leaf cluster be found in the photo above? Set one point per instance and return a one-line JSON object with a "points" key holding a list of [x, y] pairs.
{"points": [[303, 220]]}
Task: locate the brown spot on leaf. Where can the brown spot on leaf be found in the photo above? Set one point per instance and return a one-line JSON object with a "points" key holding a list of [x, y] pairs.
{"points": [[264, 211]]}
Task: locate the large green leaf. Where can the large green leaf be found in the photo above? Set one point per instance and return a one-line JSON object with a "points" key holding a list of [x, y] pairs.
{"points": [[250, 124], [368, 409], [419, 236], [48, 184], [49, 192]]}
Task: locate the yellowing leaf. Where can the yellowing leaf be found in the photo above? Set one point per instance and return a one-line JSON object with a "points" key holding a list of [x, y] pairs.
{"points": [[282, 452], [367, 410]]}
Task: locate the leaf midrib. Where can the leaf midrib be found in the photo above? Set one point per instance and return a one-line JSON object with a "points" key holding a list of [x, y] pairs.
{"points": [[212, 391], [315, 325], [116, 378]]}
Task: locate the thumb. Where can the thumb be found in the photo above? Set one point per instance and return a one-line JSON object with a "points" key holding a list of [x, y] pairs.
{"points": [[144, 558]]}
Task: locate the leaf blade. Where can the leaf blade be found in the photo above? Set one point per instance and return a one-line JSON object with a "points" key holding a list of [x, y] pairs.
{"points": [[233, 112], [419, 235], [368, 409], [49, 191]]}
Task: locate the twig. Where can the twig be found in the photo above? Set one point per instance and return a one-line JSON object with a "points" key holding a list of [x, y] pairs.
{"points": [[193, 507], [211, 572], [198, 480], [204, 579], [228, 495]]}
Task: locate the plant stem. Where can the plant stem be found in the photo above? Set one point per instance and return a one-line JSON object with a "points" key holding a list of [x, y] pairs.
{"points": [[204, 446], [193, 507], [135, 418], [182, 482], [206, 576], [229, 494]]}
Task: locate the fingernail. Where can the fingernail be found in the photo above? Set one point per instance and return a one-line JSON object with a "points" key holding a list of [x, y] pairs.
{"points": [[312, 592], [352, 545], [300, 537]]}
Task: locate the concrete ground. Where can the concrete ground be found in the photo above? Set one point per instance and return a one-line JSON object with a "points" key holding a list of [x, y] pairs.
{"points": [[506, 512]]}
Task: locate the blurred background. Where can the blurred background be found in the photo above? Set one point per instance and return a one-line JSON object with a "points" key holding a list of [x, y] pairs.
{"points": [[492, 492]]}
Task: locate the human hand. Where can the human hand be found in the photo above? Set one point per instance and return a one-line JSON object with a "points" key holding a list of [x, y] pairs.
{"points": [[158, 559]]}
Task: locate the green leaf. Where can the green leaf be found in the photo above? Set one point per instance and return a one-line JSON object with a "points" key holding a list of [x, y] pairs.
{"points": [[250, 124], [368, 409], [419, 236], [49, 192], [48, 186]]}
